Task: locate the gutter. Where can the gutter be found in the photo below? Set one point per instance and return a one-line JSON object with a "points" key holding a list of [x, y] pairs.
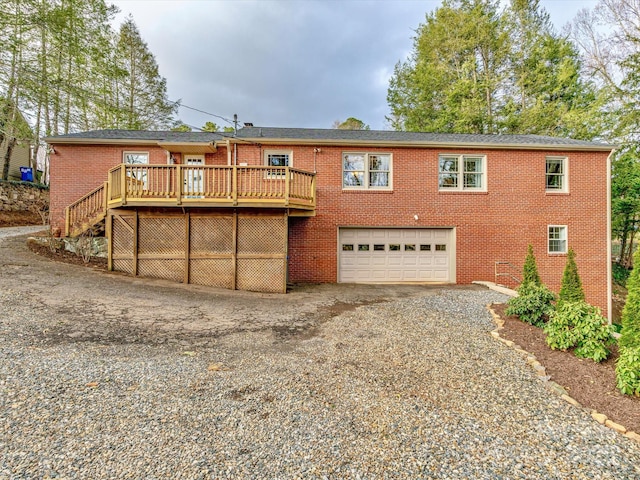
{"points": [[423, 144]]}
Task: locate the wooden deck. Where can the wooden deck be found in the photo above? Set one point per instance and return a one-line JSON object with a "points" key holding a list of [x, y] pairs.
{"points": [[211, 186], [196, 186]]}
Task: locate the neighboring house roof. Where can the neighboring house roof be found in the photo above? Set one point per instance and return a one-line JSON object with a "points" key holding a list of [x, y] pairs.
{"points": [[317, 136]]}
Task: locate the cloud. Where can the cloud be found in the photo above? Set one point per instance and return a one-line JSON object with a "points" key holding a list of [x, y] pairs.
{"points": [[281, 62]]}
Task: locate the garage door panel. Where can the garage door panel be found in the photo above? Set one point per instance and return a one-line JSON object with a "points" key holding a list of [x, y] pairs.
{"points": [[403, 255]]}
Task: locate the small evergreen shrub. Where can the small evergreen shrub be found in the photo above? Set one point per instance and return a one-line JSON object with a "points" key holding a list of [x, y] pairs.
{"points": [[579, 325], [628, 365], [620, 274], [533, 304], [530, 269], [571, 286]]}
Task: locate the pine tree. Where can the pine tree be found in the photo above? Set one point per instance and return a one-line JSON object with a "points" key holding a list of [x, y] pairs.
{"points": [[143, 92], [628, 365], [530, 273], [571, 286]]}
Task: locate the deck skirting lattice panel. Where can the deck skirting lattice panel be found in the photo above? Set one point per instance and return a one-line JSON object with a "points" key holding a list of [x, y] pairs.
{"points": [[244, 251]]}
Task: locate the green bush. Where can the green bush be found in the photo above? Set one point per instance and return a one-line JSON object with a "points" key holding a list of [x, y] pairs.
{"points": [[579, 325], [628, 365], [530, 269], [620, 274], [533, 304], [571, 286]]}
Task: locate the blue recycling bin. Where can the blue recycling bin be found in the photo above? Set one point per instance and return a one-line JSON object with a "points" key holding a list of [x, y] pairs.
{"points": [[26, 174]]}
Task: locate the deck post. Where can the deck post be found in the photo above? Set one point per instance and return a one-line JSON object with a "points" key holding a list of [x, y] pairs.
{"points": [[123, 183], [109, 233], [187, 246], [67, 222], [287, 185], [105, 198], [136, 226], [234, 186], [234, 251], [179, 186]]}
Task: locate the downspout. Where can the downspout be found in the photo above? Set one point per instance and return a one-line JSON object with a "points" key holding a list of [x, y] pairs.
{"points": [[609, 268], [228, 152]]}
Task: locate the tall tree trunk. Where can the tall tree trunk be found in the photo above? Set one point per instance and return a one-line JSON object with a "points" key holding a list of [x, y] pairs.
{"points": [[7, 157]]}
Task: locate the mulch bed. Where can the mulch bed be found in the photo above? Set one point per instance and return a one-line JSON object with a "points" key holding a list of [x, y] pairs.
{"points": [[592, 384], [65, 256]]}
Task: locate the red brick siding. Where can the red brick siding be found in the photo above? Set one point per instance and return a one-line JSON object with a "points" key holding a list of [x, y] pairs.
{"points": [[492, 226], [78, 169]]}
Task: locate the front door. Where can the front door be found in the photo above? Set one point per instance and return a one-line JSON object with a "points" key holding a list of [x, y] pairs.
{"points": [[194, 177]]}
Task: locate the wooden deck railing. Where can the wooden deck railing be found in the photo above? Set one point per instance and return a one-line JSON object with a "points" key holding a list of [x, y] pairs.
{"points": [[195, 186], [208, 185], [86, 211]]}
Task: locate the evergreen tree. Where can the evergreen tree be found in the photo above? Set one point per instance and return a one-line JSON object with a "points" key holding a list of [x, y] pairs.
{"points": [[210, 127], [571, 286], [476, 69], [628, 364], [144, 104], [530, 273], [453, 79]]}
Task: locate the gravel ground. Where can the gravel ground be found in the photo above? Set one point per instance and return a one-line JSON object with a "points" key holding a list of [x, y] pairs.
{"points": [[411, 388], [6, 232]]}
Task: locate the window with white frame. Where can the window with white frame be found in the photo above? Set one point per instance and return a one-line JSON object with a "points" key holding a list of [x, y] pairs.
{"points": [[462, 172], [277, 158], [139, 174], [135, 158], [557, 238], [366, 170], [556, 174]]}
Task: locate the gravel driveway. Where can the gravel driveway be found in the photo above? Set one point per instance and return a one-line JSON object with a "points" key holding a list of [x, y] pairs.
{"points": [[105, 376]]}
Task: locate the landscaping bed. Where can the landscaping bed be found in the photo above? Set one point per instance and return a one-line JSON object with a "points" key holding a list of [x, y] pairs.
{"points": [[593, 385]]}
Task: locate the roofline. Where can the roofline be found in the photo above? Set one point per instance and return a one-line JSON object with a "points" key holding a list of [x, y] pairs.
{"points": [[99, 141], [338, 143], [423, 144]]}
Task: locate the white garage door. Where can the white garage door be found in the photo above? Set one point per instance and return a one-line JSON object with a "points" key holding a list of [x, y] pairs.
{"points": [[394, 255]]}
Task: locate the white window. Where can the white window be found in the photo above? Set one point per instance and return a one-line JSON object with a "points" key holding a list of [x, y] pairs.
{"points": [[366, 170], [278, 158], [556, 174], [462, 172], [557, 238], [138, 174], [135, 158]]}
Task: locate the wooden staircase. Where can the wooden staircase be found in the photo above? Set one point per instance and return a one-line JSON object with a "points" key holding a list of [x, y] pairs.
{"points": [[86, 212]]}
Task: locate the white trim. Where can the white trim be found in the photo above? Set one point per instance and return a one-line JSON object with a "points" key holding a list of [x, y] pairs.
{"points": [[366, 187], [565, 174], [609, 267], [460, 172], [566, 239]]}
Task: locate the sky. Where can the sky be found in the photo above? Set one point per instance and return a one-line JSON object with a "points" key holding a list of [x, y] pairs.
{"points": [[286, 63]]}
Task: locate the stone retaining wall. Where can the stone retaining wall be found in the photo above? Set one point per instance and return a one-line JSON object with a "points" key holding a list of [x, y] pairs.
{"points": [[21, 196]]}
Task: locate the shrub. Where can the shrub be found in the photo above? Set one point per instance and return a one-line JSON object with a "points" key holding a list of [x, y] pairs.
{"points": [[533, 304], [571, 286], [628, 365], [530, 269], [620, 274], [579, 325]]}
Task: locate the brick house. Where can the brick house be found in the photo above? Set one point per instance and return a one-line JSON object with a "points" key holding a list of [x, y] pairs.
{"points": [[275, 205]]}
